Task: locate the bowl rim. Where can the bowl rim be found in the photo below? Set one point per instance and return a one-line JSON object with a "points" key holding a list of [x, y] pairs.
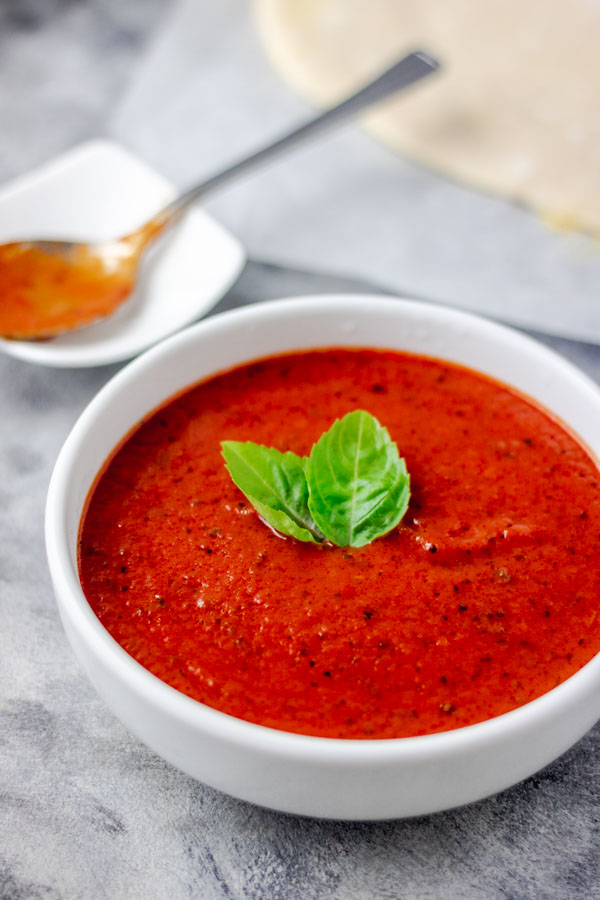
{"points": [[364, 751]]}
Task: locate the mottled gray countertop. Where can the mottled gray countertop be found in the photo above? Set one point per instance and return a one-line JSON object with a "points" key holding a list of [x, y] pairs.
{"points": [[87, 811]]}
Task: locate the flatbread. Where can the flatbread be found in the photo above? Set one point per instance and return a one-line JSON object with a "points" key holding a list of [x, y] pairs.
{"points": [[515, 110]]}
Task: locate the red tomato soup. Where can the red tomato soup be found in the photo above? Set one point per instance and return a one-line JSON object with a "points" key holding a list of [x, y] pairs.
{"points": [[483, 598]]}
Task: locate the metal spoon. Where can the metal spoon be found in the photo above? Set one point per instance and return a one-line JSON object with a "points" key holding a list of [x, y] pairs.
{"points": [[50, 287]]}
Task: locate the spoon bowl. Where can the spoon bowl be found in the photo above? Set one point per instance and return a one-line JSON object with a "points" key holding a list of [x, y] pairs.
{"points": [[50, 287]]}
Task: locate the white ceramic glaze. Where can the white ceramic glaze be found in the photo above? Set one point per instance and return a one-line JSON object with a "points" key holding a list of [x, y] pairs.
{"points": [[99, 191], [370, 779]]}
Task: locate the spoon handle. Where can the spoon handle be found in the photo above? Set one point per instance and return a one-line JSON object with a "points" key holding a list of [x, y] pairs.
{"points": [[401, 75]]}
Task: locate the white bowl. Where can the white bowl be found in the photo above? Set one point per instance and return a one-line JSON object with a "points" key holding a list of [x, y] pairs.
{"points": [[333, 778]]}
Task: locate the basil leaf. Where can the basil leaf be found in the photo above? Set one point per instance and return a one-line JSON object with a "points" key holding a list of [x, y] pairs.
{"points": [[358, 484], [275, 484], [282, 523]]}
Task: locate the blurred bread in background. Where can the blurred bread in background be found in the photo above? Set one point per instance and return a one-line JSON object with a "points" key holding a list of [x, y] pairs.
{"points": [[515, 111]]}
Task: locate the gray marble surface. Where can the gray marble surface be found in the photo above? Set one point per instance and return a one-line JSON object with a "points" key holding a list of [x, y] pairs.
{"points": [[87, 811]]}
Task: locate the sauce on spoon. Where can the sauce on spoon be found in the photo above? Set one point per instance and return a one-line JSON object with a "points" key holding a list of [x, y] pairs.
{"points": [[48, 288]]}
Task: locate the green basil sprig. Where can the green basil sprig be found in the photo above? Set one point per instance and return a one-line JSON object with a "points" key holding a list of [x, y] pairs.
{"points": [[275, 484], [353, 487]]}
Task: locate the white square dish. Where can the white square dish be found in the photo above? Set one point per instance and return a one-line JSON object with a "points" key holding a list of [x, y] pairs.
{"points": [[97, 191]]}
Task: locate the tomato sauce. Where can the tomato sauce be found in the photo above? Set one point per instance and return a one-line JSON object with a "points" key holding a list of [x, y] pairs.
{"points": [[42, 295], [483, 598]]}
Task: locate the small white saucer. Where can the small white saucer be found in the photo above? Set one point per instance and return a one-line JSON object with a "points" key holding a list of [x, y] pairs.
{"points": [[98, 191]]}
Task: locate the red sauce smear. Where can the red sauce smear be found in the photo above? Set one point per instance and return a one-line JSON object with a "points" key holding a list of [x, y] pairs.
{"points": [[484, 597], [42, 295]]}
